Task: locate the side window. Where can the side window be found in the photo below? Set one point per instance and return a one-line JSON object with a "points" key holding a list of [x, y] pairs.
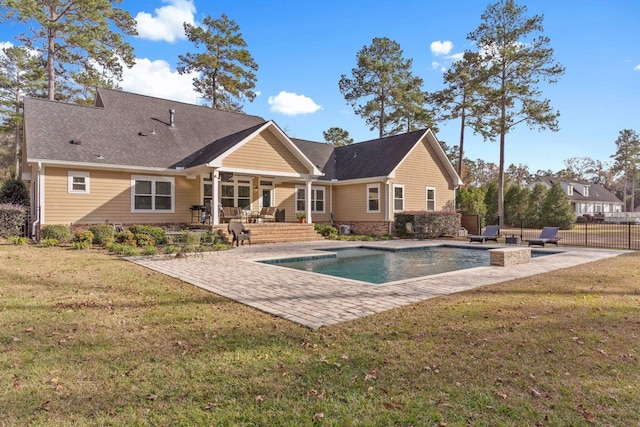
{"points": [[398, 198], [373, 198], [152, 194], [431, 199], [78, 182]]}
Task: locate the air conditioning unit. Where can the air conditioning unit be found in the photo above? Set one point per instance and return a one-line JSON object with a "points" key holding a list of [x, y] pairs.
{"points": [[345, 229]]}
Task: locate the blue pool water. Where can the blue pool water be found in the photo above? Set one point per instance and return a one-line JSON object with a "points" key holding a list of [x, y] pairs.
{"points": [[380, 266]]}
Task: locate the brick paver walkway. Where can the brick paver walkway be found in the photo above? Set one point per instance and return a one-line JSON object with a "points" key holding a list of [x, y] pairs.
{"points": [[315, 300]]}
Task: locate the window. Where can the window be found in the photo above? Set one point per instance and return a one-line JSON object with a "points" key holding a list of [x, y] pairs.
{"points": [[586, 191], [431, 199], [152, 194], [570, 190], [398, 198], [78, 182], [317, 199], [373, 198], [236, 192]]}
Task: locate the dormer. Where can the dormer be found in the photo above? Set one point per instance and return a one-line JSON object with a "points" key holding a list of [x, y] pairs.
{"points": [[570, 189]]}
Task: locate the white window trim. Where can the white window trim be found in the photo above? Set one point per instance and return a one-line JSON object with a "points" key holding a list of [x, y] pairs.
{"points": [[369, 186], [313, 199], [153, 179], [77, 174], [393, 198], [426, 196]]}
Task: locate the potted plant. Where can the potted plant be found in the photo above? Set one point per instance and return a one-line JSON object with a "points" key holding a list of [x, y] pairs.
{"points": [[301, 216]]}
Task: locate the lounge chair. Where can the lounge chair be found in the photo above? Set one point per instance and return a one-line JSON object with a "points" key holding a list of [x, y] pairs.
{"points": [[239, 233], [267, 214], [548, 235], [492, 232]]}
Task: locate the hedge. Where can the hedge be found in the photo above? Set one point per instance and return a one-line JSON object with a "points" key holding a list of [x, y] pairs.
{"points": [[12, 218], [428, 225]]}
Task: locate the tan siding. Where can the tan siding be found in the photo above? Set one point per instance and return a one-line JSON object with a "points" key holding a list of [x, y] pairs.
{"points": [[286, 199], [423, 169], [265, 152], [350, 203], [109, 199]]}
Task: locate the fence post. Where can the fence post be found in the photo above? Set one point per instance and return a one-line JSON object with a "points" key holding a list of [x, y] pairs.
{"points": [[586, 233], [629, 234]]}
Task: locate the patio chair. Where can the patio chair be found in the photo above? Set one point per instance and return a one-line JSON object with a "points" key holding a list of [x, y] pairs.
{"points": [[118, 228], [268, 214], [547, 235], [492, 232], [239, 233]]}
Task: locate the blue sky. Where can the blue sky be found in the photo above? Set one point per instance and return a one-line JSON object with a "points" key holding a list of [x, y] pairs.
{"points": [[303, 47]]}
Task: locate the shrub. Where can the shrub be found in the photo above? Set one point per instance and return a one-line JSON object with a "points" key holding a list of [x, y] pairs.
{"points": [[326, 231], [150, 250], [12, 219], [14, 191], [126, 238], [143, 239], [211, 237], [130, 251], [59, 232], [102, 232], [116, 248], [429, 225], [81, 244], [49, 242], [18, 240], [107, 242], [582, 220], [158, 233], [83, 236]]}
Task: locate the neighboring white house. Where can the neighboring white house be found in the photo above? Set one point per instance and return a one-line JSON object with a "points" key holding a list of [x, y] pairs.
{"points": [[585, 198]]}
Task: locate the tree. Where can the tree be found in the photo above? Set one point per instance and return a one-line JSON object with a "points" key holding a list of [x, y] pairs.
{"points": [[556, 211], [410, 113], [337, 136], [226, 70], [515, 60], [74, 35], [462, 98], [14, 191], [21, 74], [533, 214], [626, 160], [471, 201], [382, 89], [517, 175], [515, 204], [491, 202]]}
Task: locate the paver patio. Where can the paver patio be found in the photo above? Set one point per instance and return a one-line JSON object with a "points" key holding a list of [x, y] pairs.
{"points": [[316, 300]]}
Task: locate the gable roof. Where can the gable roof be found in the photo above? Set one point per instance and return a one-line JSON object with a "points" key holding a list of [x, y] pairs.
{"points": [[373, 158], [129, 130], [597, 192]]}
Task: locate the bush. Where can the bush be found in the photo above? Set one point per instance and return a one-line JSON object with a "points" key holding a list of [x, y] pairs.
{"points": [[126, 238], [102, 232], [107, 242], [12, 219], [81, 244], [158, 233], [46, 243], [429, 225], [143, 239], [14, 191], [18, 240], [150, 250], [59, 232], [326, 231], [83, 236]]}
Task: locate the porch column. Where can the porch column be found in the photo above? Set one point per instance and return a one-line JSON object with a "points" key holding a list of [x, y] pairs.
{"points": [[215, 199], [307, 201], [389, 200]]}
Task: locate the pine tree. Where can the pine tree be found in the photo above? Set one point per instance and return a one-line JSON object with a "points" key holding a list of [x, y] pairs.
{"points": [[226, 70], [556, 211], [337, 136]]}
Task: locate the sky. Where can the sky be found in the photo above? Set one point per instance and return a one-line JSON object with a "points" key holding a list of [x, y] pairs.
{"points": [[303, 47]]}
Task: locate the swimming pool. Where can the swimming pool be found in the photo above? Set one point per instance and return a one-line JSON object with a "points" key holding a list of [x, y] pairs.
{"points": [[379, 266]]}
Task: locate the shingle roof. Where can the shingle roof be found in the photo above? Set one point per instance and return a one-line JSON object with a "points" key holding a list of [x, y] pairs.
{"points": [[374, 158], [597, 192], [130, 130]]}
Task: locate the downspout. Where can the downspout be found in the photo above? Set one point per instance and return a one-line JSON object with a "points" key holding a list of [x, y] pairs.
{"points": [[38, 210], [215, 201], [308, 201], [387, 207]]}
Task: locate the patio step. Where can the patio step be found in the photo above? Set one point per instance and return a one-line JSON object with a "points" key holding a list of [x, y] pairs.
{"points": [[278, 232]]}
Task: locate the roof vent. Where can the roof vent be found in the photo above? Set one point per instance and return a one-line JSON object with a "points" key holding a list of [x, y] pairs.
{"points": [[75, 142], [172, 114]]}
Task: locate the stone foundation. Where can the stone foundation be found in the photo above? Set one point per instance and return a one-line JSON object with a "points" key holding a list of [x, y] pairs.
{"points": [[504, 257]]}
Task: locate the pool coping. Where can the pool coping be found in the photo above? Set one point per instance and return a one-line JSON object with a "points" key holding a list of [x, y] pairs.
{"points": [[316, 300]]}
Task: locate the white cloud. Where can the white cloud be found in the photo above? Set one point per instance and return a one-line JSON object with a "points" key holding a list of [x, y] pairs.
{"points": [[441, 48], [292, 104], [167, 24], [155, 78], [456, 56], [636, 68], [4, 45]]}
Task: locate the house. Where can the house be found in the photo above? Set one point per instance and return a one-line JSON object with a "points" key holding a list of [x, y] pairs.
{"points": [[585, 199], [139, 159]]}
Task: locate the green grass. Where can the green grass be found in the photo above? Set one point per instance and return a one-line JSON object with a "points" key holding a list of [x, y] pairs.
{"points": [[90, 339]]}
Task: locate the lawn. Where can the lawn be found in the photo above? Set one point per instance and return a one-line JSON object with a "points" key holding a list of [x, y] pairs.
{"points": [[89, 339]]}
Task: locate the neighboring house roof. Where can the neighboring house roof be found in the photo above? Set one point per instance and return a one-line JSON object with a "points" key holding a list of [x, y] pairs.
{"points": [[597, 192], [135, 131], [127, 129]]}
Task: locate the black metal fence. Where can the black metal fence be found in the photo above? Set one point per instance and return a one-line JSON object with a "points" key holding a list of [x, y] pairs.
{"points": [[619, 235]]}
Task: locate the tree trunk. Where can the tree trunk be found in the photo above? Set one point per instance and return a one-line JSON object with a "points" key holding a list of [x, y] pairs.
{"points": [[17, 136], [51, 70], [462, 125]]}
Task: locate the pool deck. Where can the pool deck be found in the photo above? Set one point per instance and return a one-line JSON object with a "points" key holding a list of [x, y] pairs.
{"points": [[316, 300]]}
